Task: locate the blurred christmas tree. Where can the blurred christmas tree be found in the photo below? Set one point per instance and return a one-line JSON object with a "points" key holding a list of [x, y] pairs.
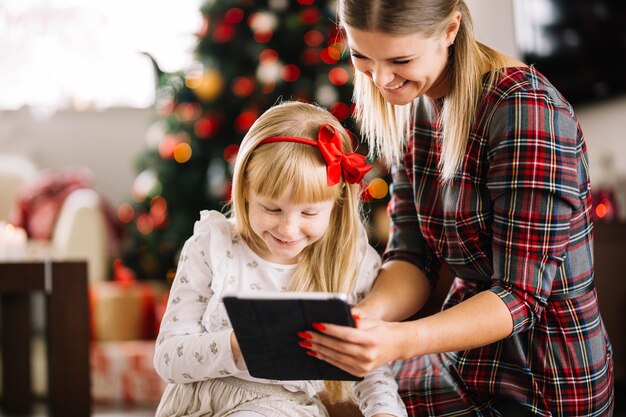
{"points": [[250, 54]]}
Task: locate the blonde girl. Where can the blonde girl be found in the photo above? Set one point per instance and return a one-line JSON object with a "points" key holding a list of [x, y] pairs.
{"points": [[294, 225]]}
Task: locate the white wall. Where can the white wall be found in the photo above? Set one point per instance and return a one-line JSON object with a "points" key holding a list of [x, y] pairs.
{"points": [[108, 141]]}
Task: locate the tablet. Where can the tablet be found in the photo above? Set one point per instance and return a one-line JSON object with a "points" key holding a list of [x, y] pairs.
{"points": [[266, 325]]}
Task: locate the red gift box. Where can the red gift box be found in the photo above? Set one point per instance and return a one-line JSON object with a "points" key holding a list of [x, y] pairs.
{"points": [[122, 373], [126, 311]]}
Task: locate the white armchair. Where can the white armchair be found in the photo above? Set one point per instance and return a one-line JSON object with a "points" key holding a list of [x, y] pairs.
{"points": [[80, 232]]}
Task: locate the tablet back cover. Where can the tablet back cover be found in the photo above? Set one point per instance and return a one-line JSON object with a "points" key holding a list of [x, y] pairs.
{"points": [[266, 330]]}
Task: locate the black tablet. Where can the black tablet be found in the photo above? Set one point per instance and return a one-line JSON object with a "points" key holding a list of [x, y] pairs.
{"points": [[266, 325]]}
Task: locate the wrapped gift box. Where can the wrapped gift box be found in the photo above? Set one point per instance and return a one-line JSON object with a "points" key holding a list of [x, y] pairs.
{"points": [[126, 311], [122, 373]]}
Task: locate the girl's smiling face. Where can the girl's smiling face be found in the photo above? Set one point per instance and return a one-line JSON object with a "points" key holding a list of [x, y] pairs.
{"points": [[287, 228], [403, 67]]}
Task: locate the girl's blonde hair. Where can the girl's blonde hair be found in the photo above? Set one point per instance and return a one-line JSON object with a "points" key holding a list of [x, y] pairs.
{"points": [[386, 126], [330, 264]]}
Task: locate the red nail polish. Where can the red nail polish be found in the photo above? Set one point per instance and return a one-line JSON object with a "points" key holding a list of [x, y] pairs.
{"points": [[356, 317], [319, 326], [305, 344], [305, 335], [310, 352]]}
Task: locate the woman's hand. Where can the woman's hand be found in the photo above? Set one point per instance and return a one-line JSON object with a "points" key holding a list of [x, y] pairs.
{"points": [[358, 350]]}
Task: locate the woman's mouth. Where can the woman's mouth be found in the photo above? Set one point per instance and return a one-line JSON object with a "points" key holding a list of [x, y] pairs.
{"points": [[396, 87]]}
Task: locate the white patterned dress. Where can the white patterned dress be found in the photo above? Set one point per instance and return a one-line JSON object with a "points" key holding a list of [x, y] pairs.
{"points": [[193, 350]]}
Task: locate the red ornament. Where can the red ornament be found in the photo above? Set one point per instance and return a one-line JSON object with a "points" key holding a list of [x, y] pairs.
{"points": [[310, 15], [263, 36], [243, 86], [268, 56], [145, 224], [306, 2], [167, 146], [338, 76], [224, 32], [313, 38], [340, 110], [188, 111], [268, 88], [290, 73], [330, 55], [233, 16], [205, 127], [245, 120], [230, 153], [125, 213]]}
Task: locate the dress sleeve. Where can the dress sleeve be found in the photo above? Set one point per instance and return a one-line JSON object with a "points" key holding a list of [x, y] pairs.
{"points": [[186, 351], [406, 242], [533, 183]]}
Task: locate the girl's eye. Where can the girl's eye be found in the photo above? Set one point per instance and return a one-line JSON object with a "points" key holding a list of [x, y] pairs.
{"points": [[271, 210], [401, 62], [310, 213]]}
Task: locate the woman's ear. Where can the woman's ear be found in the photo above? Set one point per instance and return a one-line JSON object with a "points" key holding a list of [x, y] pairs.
{"points": [[453, 28]]}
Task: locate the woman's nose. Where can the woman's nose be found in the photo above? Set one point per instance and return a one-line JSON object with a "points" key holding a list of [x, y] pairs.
{"points": [[381, 76]]}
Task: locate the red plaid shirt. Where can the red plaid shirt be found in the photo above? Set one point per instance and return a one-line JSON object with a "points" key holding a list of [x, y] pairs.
{"points": [[517, 215]]}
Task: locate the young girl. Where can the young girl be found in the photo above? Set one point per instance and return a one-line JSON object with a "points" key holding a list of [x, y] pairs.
{"points": [[294, 226]]}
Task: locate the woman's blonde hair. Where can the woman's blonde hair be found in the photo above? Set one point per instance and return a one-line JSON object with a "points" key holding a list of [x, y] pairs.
{"points": [[386, 126], [331, 263]]}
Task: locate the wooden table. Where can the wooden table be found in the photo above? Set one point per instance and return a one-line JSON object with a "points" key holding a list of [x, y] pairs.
{"points": [[67, 335]]}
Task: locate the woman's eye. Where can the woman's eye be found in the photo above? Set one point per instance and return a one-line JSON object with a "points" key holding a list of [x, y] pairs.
{"points": [[401, 62], [357, 56]]}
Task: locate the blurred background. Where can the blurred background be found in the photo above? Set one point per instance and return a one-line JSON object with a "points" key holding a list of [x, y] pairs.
{"points": [[119, 121]]}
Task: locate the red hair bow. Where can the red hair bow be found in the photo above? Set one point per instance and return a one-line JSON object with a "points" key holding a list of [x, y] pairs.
{"points": [[352, 164], [328, 141]]}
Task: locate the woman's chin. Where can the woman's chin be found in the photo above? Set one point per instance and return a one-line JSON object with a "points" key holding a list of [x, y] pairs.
{"points": [[399, 100]]}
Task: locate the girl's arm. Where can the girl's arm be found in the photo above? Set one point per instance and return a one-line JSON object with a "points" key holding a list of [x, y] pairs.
{"points": [[378, 394], [186, 351]]}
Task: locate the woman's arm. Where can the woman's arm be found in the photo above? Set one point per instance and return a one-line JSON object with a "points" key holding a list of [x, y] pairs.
{"points": [[399, 291], [478, 321]]}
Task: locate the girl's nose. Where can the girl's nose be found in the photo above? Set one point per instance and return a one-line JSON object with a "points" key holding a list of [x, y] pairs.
{"points": [[289, 227]]}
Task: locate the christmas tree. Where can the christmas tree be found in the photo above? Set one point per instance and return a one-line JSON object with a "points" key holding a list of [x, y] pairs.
{"points": [[250, 55]]}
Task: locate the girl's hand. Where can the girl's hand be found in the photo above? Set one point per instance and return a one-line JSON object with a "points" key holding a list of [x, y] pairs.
{"points": [[237, 356], [358, 350]]}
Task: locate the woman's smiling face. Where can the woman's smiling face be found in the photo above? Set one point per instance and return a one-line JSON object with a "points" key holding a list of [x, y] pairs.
{"points": [[403, 67]]}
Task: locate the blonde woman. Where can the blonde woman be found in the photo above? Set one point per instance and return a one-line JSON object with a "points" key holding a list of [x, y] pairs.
{"points": [[490, 180], [294, 225]]}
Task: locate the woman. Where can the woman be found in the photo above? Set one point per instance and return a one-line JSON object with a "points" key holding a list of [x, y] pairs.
{"points": [[490, 178]]}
